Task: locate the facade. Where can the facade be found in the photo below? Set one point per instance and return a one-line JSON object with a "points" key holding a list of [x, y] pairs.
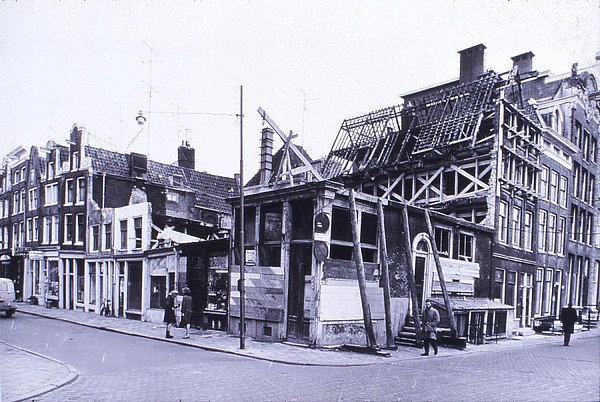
{"points": [[502, 164], [95, 230]]}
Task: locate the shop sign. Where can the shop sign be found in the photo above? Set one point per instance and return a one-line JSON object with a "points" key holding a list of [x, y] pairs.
{"points": [[36, 255]]}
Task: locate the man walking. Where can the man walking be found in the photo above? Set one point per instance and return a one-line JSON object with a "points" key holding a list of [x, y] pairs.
{"points": [[568, 316], [431, 319]]}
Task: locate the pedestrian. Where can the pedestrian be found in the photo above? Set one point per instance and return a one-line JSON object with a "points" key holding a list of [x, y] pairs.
{"points": [[170, 306], [568, 316], [431, 319], [186, 311]]}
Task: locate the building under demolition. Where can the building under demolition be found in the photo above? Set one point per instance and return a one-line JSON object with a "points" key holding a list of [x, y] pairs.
{"points": [[465, 193]]}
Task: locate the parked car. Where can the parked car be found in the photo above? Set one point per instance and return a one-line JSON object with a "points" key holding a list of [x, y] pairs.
{"points": [[7, 297]]}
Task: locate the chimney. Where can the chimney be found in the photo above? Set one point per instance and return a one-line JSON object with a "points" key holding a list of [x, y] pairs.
{"points": [[472, 63], [524, 62], [266, 155], [186, 156]]}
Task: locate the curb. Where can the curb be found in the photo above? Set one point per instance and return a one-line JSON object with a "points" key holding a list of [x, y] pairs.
{"points": [[69, 378]]}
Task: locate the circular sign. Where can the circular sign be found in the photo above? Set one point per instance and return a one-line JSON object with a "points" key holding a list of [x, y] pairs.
{"points": [[320, 250], [321, 223]]}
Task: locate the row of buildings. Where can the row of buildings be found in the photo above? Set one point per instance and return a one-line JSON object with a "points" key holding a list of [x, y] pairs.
{"points": [[480, 193]]}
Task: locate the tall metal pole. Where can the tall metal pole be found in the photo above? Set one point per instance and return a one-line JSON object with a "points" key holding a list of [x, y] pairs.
{"points": [[242, 224]]}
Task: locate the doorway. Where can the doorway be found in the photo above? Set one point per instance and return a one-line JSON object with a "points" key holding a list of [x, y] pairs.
{"points": [[421, 270], [298, 319]]}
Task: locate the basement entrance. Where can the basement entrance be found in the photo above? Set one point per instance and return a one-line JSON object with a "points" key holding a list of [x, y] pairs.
{"points": [[298, 319]]}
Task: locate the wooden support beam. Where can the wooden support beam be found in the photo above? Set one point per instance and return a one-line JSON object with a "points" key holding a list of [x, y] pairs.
{"points": [[440, 271], [360, 270], [385, 276], [411, 277]]}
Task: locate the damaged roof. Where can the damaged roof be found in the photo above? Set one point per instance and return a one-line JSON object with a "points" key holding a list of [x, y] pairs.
{"points": [[210, 190], [453, 118]]}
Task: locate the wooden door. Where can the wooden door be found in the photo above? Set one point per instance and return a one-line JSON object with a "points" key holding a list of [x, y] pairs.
{"points": [[420, 279], [300, 267]]}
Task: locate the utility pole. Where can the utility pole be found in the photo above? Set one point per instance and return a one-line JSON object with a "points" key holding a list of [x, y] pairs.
{"points": [[241, 288]]}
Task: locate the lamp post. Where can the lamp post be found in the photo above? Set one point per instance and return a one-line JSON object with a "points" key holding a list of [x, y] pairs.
{"points": [[241, 287]]}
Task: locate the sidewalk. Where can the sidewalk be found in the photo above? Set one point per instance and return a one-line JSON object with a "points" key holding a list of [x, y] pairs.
{"points": [[47, 374]]}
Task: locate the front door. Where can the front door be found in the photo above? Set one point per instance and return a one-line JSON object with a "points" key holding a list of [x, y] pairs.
{"points": [[420, 279], [298, 319]]}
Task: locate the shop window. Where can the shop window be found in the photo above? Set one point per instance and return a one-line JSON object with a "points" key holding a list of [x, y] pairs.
{"points": [[158, 291], [80, 280], [270, 235], [341, 235], [53, 278], [92, 281], [134, 291], [511, 282], [498, 285]]}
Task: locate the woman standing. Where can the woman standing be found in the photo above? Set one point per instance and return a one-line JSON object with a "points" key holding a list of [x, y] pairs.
{"points": [[170, 312], [186, 311]]}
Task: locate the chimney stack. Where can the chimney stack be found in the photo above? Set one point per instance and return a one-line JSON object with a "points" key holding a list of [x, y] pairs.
{"points": [[186, 156], [266, 155], [524, 62], [472, 63]]}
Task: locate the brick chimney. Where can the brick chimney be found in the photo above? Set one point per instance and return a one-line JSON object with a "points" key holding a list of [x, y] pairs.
{"points": [[472, 63], [266, 155], [524, 62], [186, 156]]}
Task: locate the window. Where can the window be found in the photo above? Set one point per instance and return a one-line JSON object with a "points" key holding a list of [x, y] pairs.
{"points": [[22, 200], [511, 288], [270, 235], [516, 227], [466, 249], [174, 197], [123, 227], [51, 170], [544, 182], [92, 282], [499, 285], [552, 233], [79, 269], [29, 229], [95, 238], [554, 187], [75, 161], [528, 231], [17, 176], [548, 290], [46, 230], [80, 229], [68, 228], [23, 173], [341, 235], [107, 236], [80, 190], [55, 229], [137, 226], [158, 290], [503, 222], [51, 194], [562, 199], [368, 236], [16, 202], [542, 233], [443, 241], [36, 229], [560, 236], [69, 191], [15, 238], [33, 199], [539, 276]]}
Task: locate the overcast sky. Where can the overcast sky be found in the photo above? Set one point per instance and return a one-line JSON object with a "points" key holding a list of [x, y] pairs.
{"points": [[309, 64]]}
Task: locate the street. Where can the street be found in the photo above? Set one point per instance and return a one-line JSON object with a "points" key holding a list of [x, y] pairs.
{"points": [[113, 366]]}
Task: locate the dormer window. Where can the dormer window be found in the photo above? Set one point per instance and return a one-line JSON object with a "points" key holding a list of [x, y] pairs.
{"points": [[51, 170], [75, 161], [177, 180]]}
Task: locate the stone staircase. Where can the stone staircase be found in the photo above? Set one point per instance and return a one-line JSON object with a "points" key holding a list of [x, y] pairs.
{"points": [[407, 334]]}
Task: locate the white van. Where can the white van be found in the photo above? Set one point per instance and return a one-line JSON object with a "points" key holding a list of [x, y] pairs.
{"points": [[7, 297]]}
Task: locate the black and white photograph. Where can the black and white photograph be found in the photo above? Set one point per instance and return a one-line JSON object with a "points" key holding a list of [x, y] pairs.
{"points": [[261, 200]]}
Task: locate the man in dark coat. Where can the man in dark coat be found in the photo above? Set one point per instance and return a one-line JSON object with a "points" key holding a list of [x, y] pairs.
{"points": [[568, 316], [431, 319], [170, 306]]}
